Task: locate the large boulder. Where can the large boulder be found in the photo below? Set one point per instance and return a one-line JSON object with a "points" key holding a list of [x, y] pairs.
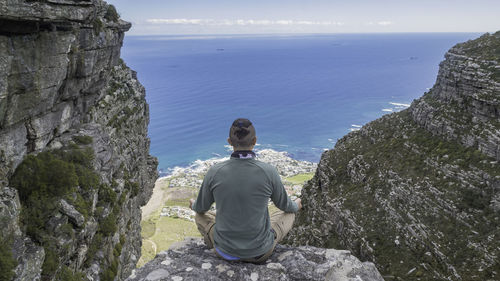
{"points": [[192, 260]]}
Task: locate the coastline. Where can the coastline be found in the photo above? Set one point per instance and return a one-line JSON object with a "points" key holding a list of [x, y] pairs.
{"points": [[192, 175]]}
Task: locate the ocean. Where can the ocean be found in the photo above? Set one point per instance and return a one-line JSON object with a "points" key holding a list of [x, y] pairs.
{"points": [[302, 92]]}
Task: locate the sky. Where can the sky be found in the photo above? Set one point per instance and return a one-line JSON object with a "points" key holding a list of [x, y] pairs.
{"points": [[169, 17]]}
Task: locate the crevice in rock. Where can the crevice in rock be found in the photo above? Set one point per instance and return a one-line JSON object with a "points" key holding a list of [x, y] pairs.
{"points": [[30, 136]]}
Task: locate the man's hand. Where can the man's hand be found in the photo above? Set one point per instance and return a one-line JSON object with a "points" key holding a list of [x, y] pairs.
{"points": [[191, 201], [299, 202]]}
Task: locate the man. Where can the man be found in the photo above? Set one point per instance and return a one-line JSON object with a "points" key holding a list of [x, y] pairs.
{"points": [[241, 187]]}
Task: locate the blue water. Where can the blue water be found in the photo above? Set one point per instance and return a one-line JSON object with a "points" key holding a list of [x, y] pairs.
{"points": [[302, 92]]}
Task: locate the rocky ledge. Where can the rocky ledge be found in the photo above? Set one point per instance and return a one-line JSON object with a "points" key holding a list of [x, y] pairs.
{"points": [[191, 260]]}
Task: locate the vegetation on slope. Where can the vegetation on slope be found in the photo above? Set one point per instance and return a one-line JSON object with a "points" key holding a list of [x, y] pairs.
{"points": [[42, 180], [420, 203]]}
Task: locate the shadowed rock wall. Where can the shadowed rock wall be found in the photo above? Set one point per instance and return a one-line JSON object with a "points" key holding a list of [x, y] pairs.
{"points": [[63, 86]]}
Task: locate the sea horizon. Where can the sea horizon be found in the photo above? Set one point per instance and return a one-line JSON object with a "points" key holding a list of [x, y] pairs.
{"points": [[302, 91]]}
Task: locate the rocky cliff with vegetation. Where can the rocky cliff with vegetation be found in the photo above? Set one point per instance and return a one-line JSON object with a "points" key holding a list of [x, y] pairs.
{"points": [[74, 154], [418, 192]]}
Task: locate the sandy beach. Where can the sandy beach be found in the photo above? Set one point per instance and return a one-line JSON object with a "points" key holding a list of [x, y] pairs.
{"points": [[157, 199]]}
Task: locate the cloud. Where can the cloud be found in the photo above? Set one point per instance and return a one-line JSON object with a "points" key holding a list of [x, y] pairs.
{"points": [[381, 23], [385, 23], [242, 22]]}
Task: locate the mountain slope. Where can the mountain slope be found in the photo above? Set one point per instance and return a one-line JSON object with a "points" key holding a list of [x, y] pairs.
{"points": [[418, 192]]}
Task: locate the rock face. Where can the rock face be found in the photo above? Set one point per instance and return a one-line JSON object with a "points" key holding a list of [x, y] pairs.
{"points": [[417, 192], [64, 87], [192, 260]]}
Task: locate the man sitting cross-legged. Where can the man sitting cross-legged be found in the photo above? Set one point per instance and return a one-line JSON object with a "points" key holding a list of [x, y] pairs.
{"points": [[241, 187]]}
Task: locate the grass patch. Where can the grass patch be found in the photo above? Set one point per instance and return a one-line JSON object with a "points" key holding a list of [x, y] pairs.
{"points": [[300, 178], [148, 228], [167, 231], [177, 202], [170, 230], [147, 251]]}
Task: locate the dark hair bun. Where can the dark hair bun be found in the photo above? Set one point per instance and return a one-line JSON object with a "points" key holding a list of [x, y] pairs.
{"points": [[241, 132]]}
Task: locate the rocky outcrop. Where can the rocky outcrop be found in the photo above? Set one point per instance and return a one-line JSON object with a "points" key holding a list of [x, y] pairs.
{"points": [[417, 192], [192, 260], [64, 89], [464, 104]]}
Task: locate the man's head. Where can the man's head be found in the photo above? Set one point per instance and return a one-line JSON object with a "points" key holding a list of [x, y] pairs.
{"points": [[242, 135]]}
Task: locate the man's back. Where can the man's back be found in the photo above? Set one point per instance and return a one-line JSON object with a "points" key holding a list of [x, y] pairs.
{"points": [[241, 189]]}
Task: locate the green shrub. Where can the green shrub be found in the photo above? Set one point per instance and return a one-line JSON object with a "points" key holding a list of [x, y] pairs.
{"points": [[87, 178], [76, 155], [50, 263], [7, 261], [42, 180], [36, 211], [82, 206], [97, 25], [107, 194], [112, 14], [108, 225], [123, 197], [110, 273], [44, 173], [67, 229], [95, 245], [117, 251], [66, 274], [133, 187]]}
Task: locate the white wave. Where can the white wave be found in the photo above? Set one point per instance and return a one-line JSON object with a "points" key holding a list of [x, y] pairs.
{"points": [[387, 110], [281, 159], [399, 104], [356, 126], [354, 129]]}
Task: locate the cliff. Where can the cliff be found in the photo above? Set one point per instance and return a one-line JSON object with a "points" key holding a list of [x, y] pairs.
{"points": [[191, 260], [74, 154], [418, 192]]}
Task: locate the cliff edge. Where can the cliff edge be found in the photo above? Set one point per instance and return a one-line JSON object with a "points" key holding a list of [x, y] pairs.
{"points": [[74, 153], [418, 192], [191, 260]]}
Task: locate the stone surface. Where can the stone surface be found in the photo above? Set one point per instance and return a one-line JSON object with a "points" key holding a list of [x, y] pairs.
{"points": [[416, 192], [191, 260], [72, 213], [464, 104]]}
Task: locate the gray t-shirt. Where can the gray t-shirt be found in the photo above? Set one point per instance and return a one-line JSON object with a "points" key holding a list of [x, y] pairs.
{"points": [[241, 189]]}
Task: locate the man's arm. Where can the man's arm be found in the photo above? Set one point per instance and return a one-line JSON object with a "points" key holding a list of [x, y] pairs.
{"points": [[281, 199], [205, 197]]}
